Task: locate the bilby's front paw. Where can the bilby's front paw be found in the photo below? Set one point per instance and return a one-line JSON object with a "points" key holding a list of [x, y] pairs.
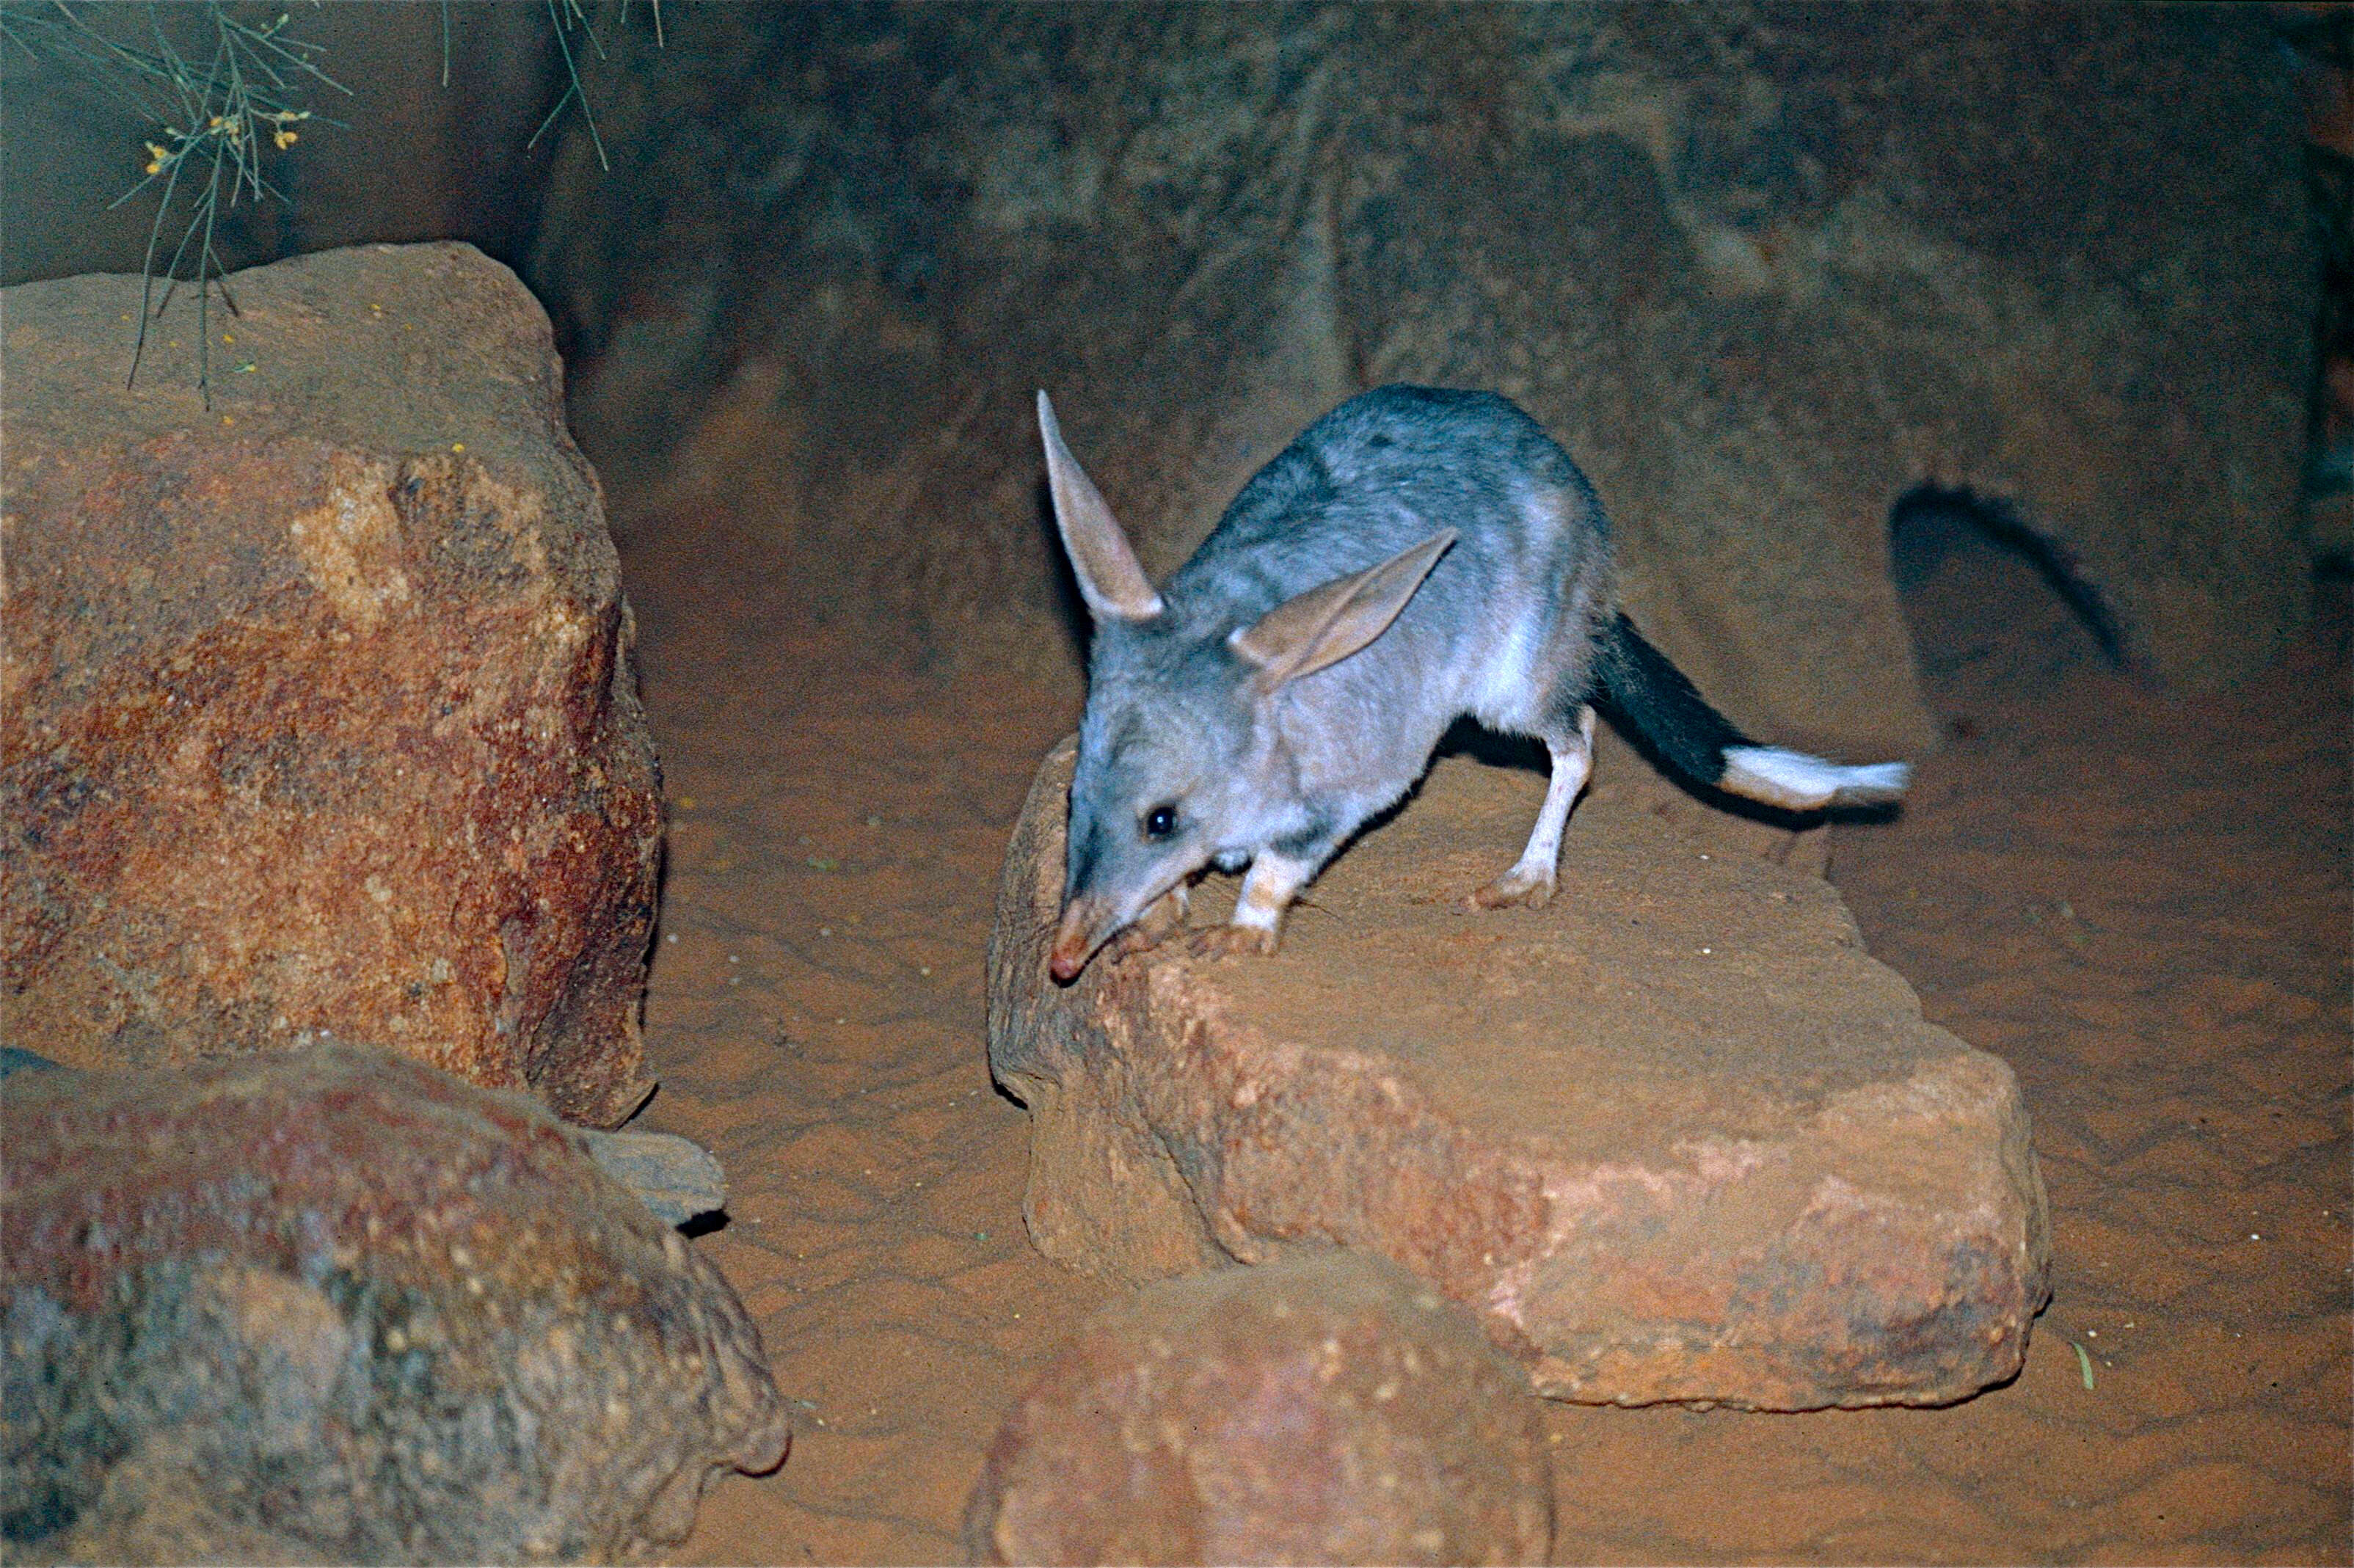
{"points": [[1135, 940], [1161, 919], [1164, 916], [1219, 940], [1515, 887]]}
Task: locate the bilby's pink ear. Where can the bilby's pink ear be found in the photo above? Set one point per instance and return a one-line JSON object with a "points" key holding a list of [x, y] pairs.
{"points": [[1111, 579], [1325, 625]]}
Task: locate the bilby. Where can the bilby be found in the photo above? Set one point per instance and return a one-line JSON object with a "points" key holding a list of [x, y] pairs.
{"points": [[1414, 556]]}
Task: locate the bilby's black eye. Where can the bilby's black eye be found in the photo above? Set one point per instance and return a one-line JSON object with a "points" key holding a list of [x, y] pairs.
{"points": [[1160, 822]]}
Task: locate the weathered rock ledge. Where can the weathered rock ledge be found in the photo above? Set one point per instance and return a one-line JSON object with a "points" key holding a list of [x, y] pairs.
{"points": [[1676, 1138]]}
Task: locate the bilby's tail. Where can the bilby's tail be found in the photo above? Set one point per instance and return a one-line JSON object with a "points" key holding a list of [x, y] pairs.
{"points": [[1655, 698]]}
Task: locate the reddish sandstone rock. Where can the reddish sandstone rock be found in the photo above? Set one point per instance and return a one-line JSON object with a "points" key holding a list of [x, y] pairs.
{"points": [[331, 1305], [1326, 1409], [1676, 1137], [317, 716]]}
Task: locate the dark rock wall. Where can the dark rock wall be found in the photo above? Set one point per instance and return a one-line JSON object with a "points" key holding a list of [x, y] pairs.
{"points": [[1762, 267]]}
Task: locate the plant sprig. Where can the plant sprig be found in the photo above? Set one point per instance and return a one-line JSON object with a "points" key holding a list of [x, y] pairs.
{"points": [[216, 108], [563, 16], [225, 106]]}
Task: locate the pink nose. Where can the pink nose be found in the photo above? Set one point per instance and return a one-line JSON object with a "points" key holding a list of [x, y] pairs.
{"points": [[1069, 956], [1072, 944]]}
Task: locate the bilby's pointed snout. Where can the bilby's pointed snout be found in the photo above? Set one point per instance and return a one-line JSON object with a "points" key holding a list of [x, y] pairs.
{"points": [[1076, 939]]}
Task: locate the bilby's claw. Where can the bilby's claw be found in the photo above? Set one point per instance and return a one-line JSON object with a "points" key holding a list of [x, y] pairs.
{"points": [[1135, 940], [1220, 940], [1514, 886]]}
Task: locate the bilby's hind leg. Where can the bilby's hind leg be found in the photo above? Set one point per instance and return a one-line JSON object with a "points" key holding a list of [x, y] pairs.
{"points": [[1530, 879]]}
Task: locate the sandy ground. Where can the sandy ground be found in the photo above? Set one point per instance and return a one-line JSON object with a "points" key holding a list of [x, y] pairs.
{"points": [[2141, 901]]}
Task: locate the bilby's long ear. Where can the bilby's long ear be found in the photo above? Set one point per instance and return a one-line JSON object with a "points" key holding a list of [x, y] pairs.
{"points": [[1110, 577], [1325, 625]]}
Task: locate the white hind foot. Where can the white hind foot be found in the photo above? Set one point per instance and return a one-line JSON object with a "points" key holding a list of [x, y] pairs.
{"points": [[1531, 880], [1531, 885]]}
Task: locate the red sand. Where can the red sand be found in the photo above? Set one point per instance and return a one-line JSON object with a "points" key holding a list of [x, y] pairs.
{"points": [[2142, 902]]}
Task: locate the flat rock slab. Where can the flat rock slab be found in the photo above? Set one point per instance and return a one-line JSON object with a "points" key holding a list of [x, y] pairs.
{"points": [[1676, 1137], [317, 714]]}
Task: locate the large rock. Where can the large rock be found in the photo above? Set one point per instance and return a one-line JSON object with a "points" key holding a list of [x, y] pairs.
{"points": [[317, 716], [334, 1306], [1676, 1137], [1763, 267], [1328, 1409]]}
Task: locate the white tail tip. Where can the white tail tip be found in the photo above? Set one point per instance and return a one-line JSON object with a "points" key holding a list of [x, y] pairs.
{"points": [[1797, 782]]}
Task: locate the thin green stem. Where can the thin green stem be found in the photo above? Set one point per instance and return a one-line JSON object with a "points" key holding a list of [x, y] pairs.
{"points": [[572, 74], [147, 271], [208, 257]]}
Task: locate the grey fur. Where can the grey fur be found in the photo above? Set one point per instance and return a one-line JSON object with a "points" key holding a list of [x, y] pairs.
{"points": [[1186, 708]]}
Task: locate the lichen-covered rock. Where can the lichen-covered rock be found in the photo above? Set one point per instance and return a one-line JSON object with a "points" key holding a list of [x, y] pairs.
{"points": [[331, 1305], [1675, 1137], [1328, 1408], [317, 714], [1763, 268]]}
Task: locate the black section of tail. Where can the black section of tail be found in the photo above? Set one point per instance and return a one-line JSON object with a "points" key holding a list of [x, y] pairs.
{"points": [[1655, 698]]}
